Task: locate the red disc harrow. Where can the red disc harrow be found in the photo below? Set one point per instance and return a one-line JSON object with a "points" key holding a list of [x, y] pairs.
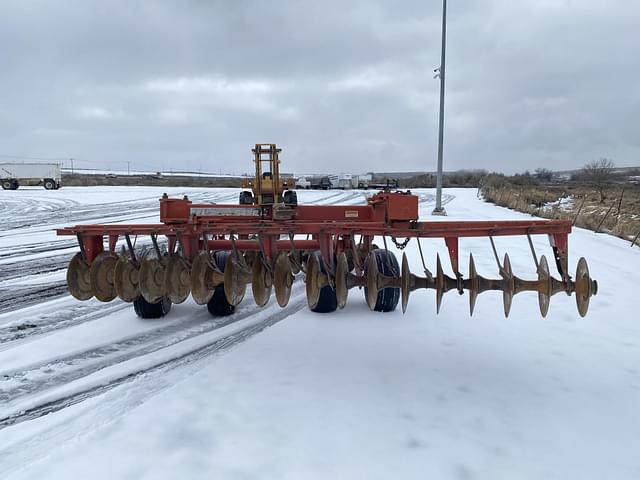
{"points": [[213, 252]]}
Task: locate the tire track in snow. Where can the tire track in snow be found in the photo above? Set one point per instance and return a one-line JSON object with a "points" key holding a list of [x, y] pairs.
{"points": [[23, 213], [101, 368], [71, 367], [17, 297], [181, 357], [40, 323], [33, 266], [34, 248]]}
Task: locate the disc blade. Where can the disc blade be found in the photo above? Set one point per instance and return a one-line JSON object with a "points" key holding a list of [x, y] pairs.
{"points": [[474, 285], [282, 279], [405, 280], [544, 286], [583, 287], [151, 281], [439, 283], [201, 292], [249, 257], [78, 278], [508, 285], [372, 280], [234, 286], [177, 279], [295, 261], [342, 270], [125, 279], [101, 274], [261, 282]]}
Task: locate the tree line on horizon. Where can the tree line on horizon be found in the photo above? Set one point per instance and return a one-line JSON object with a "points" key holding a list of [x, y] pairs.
{"points": [[600, 174]]}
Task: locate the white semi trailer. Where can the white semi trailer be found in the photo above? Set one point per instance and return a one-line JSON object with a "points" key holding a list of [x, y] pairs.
{"points": [[12, 175], [361, 181], [342, 181]]}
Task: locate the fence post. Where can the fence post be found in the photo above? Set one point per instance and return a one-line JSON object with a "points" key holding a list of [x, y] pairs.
{"points": [[605, 217], [520, 198], [620, 202], [580, 209]]}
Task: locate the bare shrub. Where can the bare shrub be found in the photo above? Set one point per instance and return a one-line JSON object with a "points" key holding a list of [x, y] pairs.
{"points": [[599, 173]]}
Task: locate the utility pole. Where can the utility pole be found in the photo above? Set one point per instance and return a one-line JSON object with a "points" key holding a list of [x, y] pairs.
{"points": [[440, 73], [71, 159], [128, 169]]}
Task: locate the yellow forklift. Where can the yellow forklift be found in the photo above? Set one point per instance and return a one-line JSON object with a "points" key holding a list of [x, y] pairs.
{"points": [[266, 187]]}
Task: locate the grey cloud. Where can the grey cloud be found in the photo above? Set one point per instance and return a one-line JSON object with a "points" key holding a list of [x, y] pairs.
{"points": [[342, 86]]}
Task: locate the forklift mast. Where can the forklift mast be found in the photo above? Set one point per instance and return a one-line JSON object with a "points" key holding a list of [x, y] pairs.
{"points": [[267, 188]]}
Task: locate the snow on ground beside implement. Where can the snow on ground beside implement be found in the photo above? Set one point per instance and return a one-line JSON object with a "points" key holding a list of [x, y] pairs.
{"points": [[214, 251]]}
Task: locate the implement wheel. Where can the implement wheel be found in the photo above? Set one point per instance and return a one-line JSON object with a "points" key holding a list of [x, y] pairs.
{"points": [[327, 300], [290, 197], [146, 309], [218, 305], [387, 298], [246, 198]]}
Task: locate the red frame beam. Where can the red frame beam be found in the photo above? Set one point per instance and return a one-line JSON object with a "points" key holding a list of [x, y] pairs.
{"points": [[386, 214], [444, 229]]}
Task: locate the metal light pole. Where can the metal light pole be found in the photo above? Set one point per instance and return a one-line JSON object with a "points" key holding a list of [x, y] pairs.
{"points": [[440, 73]]}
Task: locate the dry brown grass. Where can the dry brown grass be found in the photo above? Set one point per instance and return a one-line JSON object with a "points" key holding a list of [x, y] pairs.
{"points": [[619, 215]]}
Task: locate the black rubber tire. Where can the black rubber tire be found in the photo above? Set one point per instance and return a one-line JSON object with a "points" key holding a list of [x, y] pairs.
{"points": [[14, 185], [6, 185], [328, 302], [388, 298], [218, 306], [145, 309], [49, 184], [246, 198], [290, 197]]}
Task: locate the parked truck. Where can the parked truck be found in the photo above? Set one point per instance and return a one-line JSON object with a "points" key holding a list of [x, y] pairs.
{"points": [[302, 183], [320, 182], [12, 175], [341, 181], [361, 181]]}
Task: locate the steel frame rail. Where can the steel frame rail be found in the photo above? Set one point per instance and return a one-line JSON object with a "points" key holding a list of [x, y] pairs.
{"points": [[330, 237]]}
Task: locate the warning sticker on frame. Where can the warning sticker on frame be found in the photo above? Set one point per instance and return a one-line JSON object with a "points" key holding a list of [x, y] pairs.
{"points": [[351, 214], [226, 212]]}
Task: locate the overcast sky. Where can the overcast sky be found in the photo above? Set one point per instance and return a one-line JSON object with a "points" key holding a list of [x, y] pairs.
{"points": [[339, 85]]}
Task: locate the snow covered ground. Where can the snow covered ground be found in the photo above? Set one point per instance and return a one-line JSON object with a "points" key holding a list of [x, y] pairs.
{"points": [[87, 390]]}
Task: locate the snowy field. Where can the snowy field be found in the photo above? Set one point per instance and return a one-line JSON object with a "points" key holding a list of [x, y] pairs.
{"points": [[88, 390]]}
